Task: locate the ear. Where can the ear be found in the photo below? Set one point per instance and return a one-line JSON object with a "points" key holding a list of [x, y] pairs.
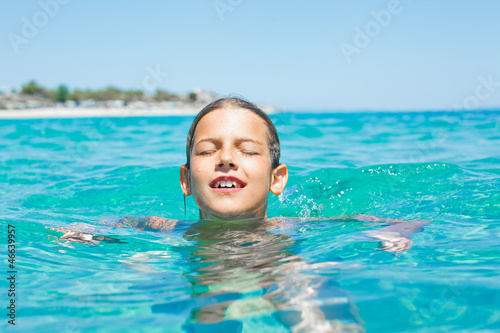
{"points": [[185, 181], [280, 178]]}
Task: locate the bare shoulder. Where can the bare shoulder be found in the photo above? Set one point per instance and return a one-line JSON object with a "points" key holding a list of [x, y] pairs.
{"points": [[161, 223], [147, 223], [298, 219], [285, 222]]}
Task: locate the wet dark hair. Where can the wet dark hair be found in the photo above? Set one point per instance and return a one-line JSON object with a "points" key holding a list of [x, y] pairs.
{"points": [[272, 135]]}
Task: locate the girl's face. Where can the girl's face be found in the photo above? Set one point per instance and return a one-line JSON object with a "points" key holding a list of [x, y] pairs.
{"points": [[231, 174]]}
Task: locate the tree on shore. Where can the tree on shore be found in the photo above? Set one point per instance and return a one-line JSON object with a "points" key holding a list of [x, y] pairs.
{"points": [[81, 95], [164, 96], [192, 96], [61, 94], [108, 94], [34, 89], [132, 95]]}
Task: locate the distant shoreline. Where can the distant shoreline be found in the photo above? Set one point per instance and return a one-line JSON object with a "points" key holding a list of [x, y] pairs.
{"points": [[41, 113]]}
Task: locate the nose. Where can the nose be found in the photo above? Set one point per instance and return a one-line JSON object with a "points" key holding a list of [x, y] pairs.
{"points": [[226, 159]]}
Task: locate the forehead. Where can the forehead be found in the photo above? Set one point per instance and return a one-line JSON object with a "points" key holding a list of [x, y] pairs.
{"points": [[231, 121]]}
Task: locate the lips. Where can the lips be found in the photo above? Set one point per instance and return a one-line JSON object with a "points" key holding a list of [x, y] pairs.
{"points": [[227, 184]]}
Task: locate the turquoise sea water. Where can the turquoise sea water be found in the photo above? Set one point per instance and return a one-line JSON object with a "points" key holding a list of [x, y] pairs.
{"points": [[204, 277]]}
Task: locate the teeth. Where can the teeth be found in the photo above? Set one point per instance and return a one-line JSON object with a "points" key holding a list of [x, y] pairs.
{"points": [[227, 184]]}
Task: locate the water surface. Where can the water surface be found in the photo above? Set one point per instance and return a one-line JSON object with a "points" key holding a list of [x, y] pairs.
{"points": [[440, 166]]}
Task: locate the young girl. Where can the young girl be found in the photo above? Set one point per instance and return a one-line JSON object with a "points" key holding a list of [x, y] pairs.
{"points": [[233, 153], [241, 266]]}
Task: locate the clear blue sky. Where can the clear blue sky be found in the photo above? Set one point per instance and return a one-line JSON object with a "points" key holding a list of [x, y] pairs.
{"points": [[430, 55]]}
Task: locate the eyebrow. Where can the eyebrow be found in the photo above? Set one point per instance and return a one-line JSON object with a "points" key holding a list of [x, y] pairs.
{"points": [[238, 141]]}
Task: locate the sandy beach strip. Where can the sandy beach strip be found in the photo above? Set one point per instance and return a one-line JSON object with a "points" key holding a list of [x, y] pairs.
{"points": [[47, 113], [43, 113]]}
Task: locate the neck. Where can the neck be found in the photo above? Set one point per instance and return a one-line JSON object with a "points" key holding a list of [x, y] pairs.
{"points": [[253, 217]]}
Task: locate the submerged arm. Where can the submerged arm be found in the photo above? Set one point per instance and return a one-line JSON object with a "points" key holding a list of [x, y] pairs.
{"points": [[147, 223], [86, 233], [394, 238], [397, 236]]}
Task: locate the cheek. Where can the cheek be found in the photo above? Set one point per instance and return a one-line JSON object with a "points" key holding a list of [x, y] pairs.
{"points": [[196, 174], [251, 166], [254, 169]]}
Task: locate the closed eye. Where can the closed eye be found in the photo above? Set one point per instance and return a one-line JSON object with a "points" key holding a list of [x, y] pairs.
{"points": [[206, 153], [250, 153]]}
